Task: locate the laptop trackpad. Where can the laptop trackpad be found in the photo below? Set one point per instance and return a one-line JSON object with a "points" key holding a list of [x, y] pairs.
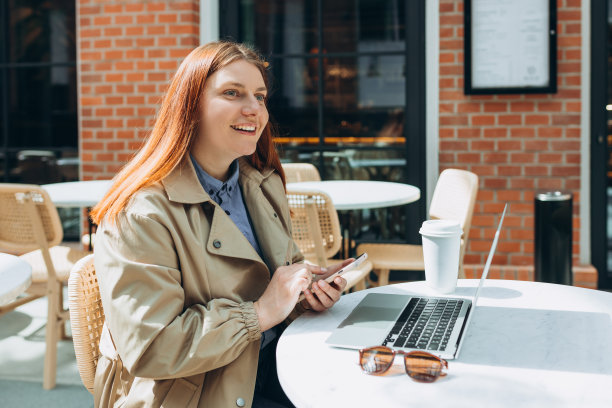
{"points": [[369, 322]]}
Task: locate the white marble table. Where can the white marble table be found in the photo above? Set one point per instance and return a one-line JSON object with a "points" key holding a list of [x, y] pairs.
{"points": [[361, 194], [529, 345], [15, 277], [77, 193]]}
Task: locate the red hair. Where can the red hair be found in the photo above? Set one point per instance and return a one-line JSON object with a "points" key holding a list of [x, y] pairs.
{"points": [[177, 126]]}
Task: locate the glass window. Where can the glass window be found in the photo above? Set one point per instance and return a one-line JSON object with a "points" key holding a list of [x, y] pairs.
{"points": [[364, 100], [294, 98], [340, 91], [38, 96], [42, 108], [363, 25], [41, 31], [280, 26]]}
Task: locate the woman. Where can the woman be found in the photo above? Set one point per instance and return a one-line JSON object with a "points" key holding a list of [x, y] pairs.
{"points": [[194, 256]]}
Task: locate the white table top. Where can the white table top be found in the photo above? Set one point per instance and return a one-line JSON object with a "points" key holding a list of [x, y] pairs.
{"points": [[529, 345], [77, 193], [15, 277], [361, 194]]}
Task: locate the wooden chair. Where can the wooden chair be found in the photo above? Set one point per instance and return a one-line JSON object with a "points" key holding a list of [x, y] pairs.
{"points": [[296, 172], [29, 222], [316, 231], [453, 199], [86, 318]]}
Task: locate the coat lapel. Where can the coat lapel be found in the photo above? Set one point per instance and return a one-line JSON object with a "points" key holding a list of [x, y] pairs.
{"points": [[273, 239], [225, 239]]}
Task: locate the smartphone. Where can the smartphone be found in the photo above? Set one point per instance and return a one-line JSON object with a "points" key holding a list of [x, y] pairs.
{"points": [[347, 268]]}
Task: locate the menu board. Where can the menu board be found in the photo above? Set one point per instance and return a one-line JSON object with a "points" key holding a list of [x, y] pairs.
{"points": [[510, 46]]}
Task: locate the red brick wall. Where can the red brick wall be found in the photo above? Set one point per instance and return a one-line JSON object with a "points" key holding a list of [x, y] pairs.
{"points": [[128, 51], [517, 144]]}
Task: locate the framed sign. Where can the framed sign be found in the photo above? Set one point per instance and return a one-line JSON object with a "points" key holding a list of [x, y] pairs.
{"points": [[510, 46]]}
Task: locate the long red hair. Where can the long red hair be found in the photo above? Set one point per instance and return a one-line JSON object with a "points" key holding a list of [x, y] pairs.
{"points": [[177, 126]]}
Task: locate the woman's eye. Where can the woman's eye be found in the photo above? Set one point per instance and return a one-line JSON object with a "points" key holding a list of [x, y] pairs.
{"points": [[231, 92], [261, 98]]}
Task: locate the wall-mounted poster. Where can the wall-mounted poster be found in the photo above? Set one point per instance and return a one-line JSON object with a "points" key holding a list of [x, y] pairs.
{"points": [[510, 46]]}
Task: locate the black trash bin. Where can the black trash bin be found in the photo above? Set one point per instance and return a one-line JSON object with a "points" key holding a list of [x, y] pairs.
{"points": [[553, 237]]}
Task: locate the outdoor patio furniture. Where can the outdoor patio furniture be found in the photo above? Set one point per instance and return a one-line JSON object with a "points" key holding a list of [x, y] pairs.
{"points": [[29, 223], [86, 318], [351, 195], [15, 277], [296, 172], [79, 194], [316, 231], [453, 199], [529, 344]]}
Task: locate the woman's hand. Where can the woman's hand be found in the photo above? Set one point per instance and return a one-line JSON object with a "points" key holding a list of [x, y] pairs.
{"points": [[282, 293], [322, 295]]}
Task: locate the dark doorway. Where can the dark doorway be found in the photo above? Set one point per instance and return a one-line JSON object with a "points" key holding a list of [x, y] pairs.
{"points": [[601, 140]]}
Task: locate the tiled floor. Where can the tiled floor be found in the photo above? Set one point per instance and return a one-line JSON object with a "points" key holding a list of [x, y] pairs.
{"points": [[22, 348]]}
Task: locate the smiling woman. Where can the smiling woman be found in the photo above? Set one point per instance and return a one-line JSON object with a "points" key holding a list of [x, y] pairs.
{"points": [[197, 268], [234, 115]]}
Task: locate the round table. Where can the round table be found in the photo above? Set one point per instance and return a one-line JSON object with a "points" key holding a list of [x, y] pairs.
{"points": [[347, 195], [15, 277], [77, 193], [529, 345], [361, 194]]}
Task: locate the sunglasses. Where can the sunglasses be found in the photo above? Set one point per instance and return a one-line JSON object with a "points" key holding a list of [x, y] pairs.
{"points": [[421, 366]]}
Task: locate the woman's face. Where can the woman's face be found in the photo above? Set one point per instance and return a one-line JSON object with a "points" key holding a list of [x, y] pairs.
{"points": [[233, 112]]}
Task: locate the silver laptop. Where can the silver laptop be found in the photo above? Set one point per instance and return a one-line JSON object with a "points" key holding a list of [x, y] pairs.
{"points": [[404, 322]]}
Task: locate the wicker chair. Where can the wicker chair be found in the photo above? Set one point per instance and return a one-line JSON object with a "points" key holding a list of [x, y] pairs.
{"points": [[316, 231], [29, 222], [453, 199], [86, 318], [296, 172]]}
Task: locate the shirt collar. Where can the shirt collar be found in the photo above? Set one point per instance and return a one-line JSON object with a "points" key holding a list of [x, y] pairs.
{"points": [[182, 184], [216, 187]]}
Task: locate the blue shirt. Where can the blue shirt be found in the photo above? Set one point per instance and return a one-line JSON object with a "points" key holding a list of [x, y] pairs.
{"points": [[228, 195]]}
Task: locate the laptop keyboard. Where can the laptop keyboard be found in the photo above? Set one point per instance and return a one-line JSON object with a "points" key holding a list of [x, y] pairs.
{"points": [[425, 324]]}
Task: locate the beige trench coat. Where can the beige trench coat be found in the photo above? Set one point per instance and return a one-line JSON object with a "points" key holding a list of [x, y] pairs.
{"points": [[178, 280]]}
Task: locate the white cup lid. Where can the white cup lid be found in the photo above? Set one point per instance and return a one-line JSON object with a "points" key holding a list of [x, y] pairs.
{"points": [[441, 228]]}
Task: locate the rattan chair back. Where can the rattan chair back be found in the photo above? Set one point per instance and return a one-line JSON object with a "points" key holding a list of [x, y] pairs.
{"points": [[28, 219], [296, 172], [316, 229], [86, 318]]}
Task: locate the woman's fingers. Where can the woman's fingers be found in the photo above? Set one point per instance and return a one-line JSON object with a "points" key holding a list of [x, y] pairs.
{"points": [[317, 270], [325, 294], [313, 301]]}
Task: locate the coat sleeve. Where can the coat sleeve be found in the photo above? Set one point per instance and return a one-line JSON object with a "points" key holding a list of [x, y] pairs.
{"points": [[143, 300]]}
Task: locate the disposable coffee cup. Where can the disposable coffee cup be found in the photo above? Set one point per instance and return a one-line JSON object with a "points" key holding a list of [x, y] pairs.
{"points": [[441, 247]]}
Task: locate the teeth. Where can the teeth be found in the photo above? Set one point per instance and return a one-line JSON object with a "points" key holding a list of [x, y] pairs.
{"points": [[245, 128]]}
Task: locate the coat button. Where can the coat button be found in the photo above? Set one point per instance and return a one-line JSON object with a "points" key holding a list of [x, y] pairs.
{"points": [[275, 215], [217, 243], [240, 402]]}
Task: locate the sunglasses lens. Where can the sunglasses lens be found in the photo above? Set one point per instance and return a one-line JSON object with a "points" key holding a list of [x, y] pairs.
{"points": [[376, 360], [423, 367]]}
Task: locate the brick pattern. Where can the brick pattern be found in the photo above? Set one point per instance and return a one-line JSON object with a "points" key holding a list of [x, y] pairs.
{"points": [[585, 276], [517, 144], [128, 51]]}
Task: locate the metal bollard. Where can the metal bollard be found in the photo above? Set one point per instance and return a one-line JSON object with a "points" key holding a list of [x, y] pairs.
{"points": [[553, 237]]}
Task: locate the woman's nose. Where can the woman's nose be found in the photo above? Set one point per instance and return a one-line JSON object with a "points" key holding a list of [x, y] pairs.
{"points": [[252, 106]]}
